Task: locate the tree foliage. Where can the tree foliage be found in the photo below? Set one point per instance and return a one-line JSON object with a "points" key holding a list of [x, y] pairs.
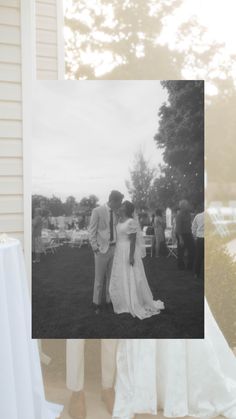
{"points": [[86, 205], [181, 135], [109, 32], [165, 191], [56, 207], [131, 36], [220, 137], [140, 183], [70, 205]]}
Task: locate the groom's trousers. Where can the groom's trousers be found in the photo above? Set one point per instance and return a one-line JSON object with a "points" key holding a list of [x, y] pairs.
{"points": [[75, 363], [103, 267]]}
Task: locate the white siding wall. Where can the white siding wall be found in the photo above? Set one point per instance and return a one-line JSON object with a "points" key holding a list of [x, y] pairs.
{"points": [[11, 142], [47, 39], [11, 180]]}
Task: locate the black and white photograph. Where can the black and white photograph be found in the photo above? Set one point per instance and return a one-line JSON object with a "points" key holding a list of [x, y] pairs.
{"points": [[118, 209]]}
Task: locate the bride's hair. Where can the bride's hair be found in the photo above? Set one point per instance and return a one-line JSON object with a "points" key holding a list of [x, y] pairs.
{"points": [[129, 209]]}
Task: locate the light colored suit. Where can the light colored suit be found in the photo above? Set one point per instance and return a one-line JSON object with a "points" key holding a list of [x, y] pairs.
{"points": [[99, 228], [99, 236]]}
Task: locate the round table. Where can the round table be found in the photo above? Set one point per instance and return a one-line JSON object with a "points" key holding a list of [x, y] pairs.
{"points": [[21, 384]]}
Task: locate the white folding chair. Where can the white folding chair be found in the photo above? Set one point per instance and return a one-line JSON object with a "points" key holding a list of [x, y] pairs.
{"points": [[55, 244], [51, 246], [171, 247], [148, 240]]}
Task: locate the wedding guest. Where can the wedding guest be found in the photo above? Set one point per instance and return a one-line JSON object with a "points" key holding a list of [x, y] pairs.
{"points": [[185, 241], [150, 227], [44, 208], [152, 219], [198, 234], [75, 375], [150, 232], [159, 230], [45, 212], [173, 230], [37, 225]]}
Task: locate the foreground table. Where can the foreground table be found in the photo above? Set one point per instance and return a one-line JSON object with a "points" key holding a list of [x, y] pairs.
{"points": [[21, 384]]}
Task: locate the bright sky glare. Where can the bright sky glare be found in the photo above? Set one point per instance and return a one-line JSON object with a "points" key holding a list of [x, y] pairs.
{"points": [[86, 133]]}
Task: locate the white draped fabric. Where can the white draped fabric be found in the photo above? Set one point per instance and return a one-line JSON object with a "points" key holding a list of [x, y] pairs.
{"points": [[195, 377], [21, 384]]}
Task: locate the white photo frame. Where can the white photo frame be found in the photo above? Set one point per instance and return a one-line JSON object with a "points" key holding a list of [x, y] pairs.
{"points": [[29, 74]]}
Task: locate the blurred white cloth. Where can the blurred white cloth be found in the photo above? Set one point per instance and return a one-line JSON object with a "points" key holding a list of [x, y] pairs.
{"points": [[75, 363], [21, 384], [80, 235], [182, 377]]}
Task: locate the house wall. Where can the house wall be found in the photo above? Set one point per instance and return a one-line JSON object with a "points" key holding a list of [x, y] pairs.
{"points": [[49, 44], [11, 167], [49, 65]]}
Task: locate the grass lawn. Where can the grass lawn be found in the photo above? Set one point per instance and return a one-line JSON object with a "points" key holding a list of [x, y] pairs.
{"points": [[62, 301]]}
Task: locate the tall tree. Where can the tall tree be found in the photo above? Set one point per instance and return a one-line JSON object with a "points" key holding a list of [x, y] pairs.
{"points": [[37, 199], [140, 183], [181, 135], [164, 191], [70, 205], [86, 205], [170, 187], [56, 206]]}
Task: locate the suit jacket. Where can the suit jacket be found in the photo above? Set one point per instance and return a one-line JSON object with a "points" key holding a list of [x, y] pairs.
{"points": [[99, 228]]}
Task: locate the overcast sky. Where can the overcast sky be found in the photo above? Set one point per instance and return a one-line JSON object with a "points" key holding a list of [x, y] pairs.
{"points": [[86, 133]]}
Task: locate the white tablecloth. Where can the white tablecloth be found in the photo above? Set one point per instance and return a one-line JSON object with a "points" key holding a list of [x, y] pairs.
{"points": [[21, 384], [81, 235]]}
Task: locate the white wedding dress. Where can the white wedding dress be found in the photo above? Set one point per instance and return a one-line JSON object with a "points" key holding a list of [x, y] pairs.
{"points": [[180, 377], [129, 289]]}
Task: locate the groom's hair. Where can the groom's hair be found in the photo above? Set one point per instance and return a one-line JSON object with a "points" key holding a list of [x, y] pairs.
{"points": [[115, 196]]}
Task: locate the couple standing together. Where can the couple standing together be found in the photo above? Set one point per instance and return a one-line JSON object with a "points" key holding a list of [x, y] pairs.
{"points": [[117, 243]]}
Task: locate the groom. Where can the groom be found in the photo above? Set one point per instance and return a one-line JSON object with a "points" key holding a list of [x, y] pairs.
{"points": [[102, 234]]}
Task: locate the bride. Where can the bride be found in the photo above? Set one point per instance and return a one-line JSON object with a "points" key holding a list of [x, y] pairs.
{"points": [[181, 377], [129, 289]]}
